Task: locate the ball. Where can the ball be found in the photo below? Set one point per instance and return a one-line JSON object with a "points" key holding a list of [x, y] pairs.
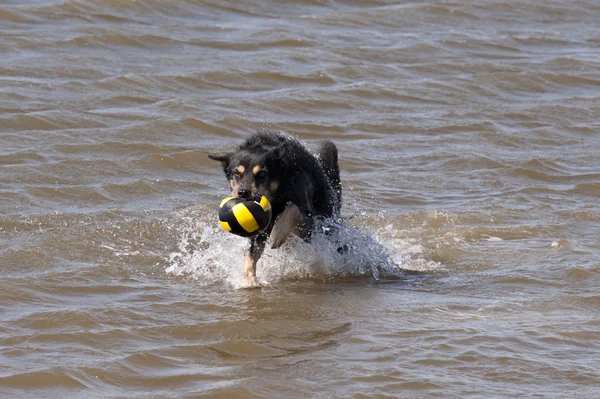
{"points": [[245, 217]]}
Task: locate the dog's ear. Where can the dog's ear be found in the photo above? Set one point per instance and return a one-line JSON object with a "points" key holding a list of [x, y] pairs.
{"points": [[278, 153], [224, 159]]}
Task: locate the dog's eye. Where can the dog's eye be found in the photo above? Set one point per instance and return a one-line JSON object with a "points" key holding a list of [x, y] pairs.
{"points": [[236, 174], [261, 174], [239, 170]]}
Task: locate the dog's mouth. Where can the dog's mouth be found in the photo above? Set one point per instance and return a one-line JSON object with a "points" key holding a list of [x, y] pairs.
{"points": [[249, 195], [243, 194]]}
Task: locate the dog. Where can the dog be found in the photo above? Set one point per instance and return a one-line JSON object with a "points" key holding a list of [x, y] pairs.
{"points": [[302, 187]]}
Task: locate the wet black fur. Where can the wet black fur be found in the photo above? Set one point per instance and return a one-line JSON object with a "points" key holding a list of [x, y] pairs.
{"points": [[308, 181]]}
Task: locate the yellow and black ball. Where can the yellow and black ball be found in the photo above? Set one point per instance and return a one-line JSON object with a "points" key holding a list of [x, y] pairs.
{"points": [[245, 217]]}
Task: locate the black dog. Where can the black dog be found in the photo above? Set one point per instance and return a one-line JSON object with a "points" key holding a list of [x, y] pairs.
{"points": [[301, 187]]}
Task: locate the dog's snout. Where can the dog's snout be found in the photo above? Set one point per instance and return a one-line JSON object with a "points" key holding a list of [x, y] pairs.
{"points": [[245, 194]]}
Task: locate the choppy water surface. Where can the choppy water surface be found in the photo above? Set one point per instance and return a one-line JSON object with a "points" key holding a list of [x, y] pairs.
{"points": [[469, 141]]}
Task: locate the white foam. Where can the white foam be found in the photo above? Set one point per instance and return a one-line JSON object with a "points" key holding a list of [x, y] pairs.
{"points": [[210, 255]]}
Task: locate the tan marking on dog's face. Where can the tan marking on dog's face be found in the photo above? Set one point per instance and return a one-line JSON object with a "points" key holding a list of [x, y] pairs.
{"points": [[274, 186], [234, 187], [256, 170], [241, 169]]}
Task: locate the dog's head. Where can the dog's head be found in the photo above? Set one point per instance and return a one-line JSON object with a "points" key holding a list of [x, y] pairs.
{"points": [[255, 168]]}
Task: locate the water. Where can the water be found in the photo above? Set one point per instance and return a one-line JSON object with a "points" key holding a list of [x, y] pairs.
{"points": [[468, 137]]}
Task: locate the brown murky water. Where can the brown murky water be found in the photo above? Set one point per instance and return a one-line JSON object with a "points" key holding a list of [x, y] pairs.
{"points": [[469, 137]]}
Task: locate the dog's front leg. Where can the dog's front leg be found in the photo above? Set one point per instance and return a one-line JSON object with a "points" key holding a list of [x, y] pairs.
{"points": [[291, 221], [252, 255]]}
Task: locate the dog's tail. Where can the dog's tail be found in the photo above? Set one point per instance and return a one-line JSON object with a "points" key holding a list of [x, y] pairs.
{"points": [[328, 155]]}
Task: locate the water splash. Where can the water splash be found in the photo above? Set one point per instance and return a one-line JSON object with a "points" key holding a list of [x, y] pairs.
{"points": [[209, 255]]}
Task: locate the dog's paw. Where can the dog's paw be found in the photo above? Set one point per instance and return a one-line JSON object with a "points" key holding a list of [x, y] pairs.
{"points": [[249, 283]]}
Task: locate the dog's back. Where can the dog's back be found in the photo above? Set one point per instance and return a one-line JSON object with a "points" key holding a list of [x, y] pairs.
{"points": [[313, 182]]}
